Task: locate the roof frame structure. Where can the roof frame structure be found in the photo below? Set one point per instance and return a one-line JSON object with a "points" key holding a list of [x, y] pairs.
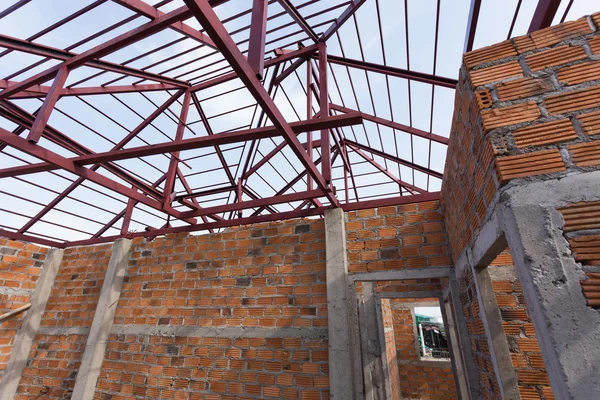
{"points": [[274, 167]]}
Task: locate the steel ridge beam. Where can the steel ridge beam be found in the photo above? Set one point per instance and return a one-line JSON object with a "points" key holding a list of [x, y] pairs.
{"points": [[204, 13], [543, 15], [303, 52], [396, 72], [38, 91], [347, 14], [393, 158], [186, 144], [59, 54], [147, 10], [123, 40], [67, 164], [394, 125]]}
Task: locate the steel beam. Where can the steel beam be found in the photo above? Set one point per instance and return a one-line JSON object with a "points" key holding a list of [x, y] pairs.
{"points": [[101, 50], [186, 144], [68, 165], [393, 158], [58, 54], [543, 15], [147, 10], [392, 71], [258, 31], [44, 113], [374, 163], [289, 70], [472, 25], [324, 110], [303, 52], [41, 91], [171, 172], [204, 13], [394, 125], [299, 19], [348, 13]]}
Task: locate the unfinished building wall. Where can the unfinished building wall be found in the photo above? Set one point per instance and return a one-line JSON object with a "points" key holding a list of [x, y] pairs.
{"points": [[20, 266], [521, 165]]}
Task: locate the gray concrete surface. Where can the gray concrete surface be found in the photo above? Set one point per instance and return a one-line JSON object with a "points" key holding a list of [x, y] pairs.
{"points": [[93, 355]]}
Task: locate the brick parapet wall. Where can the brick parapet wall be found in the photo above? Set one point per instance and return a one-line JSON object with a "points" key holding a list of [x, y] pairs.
{"points": [[20, 266], [525, 109]]}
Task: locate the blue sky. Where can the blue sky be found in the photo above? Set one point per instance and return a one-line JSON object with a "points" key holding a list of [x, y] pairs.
{"points": [[97, 131]]}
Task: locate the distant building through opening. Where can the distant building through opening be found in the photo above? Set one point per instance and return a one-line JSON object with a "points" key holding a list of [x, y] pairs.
{"points": [[431, 335]]}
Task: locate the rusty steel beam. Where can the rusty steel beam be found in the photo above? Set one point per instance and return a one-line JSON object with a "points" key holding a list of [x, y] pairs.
{"points": [[68, 165], [392, 71], [101, 50], [394, 125], [258, 30], [58, 54], [393, 158], [204, 13], [299, 19], [41, 90], [44, 113], [543, 15], [186, 144], [347, 14]]}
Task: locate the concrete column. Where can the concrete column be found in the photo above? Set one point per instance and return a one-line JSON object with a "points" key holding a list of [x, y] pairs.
{"points": [[568, 331], [31, 323], [371, 341], [343, 376], [93, 355]]}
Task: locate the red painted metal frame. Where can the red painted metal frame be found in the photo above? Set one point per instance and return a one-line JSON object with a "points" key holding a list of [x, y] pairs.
{"points": [[227, 64]]}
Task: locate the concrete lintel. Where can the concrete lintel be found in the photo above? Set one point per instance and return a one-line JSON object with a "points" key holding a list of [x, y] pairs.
{"points": [[404, 295], [31, 323], [93, 355], [225, 332], [64, 331], [343, 385], [16, 291], [394, 275]]}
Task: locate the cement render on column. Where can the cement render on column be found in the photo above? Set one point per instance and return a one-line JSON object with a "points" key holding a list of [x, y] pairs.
{"points": [[93, 355], [31, 323], [371, 339], [341, 372]]}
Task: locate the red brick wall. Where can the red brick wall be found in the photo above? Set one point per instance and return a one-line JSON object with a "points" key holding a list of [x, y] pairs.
{"points": [[268, 276], [524, 108], [54, 359], [20, 267], [418, 379], [397, 237], [153, 367], [521, 336]]}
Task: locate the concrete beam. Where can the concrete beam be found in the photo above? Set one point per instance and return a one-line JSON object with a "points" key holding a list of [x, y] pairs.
{"points": [[221, 332], [31, 323], [93, 355], [422, 273], [342, 381]]}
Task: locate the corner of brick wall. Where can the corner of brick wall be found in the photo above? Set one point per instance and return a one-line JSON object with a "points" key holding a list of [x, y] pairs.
{"points": [[525, 109]]}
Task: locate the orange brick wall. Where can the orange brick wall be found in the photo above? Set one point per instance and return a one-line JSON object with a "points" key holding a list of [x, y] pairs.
{"points": [[525, 108], [521, 336], [397, 237], [153, 367], [54, 359], [423, 380], [20, 267]]}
